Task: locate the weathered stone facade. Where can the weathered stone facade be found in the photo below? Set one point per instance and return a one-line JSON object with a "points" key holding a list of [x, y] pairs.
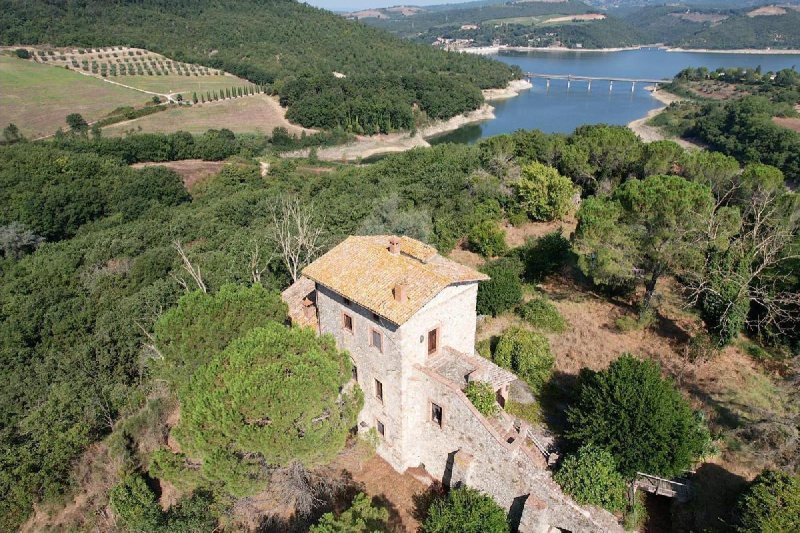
{"points": [[427, 420]]}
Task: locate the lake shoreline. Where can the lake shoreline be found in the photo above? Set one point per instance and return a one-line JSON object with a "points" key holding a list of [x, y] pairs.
{"points": [[649, 133], [367, 146], [489, 50]]}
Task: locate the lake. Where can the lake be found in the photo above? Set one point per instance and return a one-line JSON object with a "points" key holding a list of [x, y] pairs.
{"points": [[561, 110]]}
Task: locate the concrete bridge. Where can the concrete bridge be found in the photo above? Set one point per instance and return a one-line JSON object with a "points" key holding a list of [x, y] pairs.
{"points": [[589, 79]]}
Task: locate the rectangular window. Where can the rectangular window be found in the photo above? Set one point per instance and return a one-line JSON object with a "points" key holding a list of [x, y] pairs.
{"points": [[346, 301], [379, 390], [437, 415], [433, 341], [376, 339], [354, 372], [347, 322], [381, 428]]}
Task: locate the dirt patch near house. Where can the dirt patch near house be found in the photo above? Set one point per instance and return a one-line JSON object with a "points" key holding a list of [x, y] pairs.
{"points": [[192, 171], [792, 123], [517, 235], [766, 11], [397, 492]]}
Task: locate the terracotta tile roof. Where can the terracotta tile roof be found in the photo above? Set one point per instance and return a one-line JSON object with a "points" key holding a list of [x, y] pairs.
{"points": [[362, 269]]}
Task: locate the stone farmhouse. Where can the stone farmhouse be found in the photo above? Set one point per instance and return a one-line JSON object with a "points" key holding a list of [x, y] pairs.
{"points": [[407, 318]]}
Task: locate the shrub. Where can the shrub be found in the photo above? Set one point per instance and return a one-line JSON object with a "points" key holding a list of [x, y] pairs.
{"points": [[531, 412], [482, 397], [590, 476], [504, 290], [527, 354], [135, 504], [465, 510], [241, 412], [771, 504], [22, 53], [542, 314], [545, 255], [361, 517], [640, 321], [487, 239], [542, 193], [608, 413]]}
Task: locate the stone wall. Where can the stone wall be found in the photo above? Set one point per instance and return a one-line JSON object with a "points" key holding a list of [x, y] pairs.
{"points": [[468, 449]]}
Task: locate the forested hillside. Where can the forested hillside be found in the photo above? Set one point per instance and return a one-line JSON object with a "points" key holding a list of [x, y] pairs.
{"points": [[284, 44], [118, 288]]}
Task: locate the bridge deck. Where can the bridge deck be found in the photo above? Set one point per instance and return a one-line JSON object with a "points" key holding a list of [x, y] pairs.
{"points": [[572, 77]]}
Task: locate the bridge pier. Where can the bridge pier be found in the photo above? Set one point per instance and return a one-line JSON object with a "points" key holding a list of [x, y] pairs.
{"points": [[633, 86], [569, 82], [548, 83], [610, 85]]}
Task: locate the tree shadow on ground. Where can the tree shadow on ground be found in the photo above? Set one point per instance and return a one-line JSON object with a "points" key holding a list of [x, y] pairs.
{"points": [[557, 394], [424, 500], [715, 491], [395, 522]]}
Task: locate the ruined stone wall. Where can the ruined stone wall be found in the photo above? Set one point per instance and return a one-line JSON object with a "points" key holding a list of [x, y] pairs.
{"points": [[467, 449]]}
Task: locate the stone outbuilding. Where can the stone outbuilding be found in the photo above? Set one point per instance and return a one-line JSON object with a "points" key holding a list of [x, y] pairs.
{"points": [[407, 317]]}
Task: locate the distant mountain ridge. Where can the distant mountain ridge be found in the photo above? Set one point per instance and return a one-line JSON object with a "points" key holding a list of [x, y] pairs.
{"points": [[714, 24]]}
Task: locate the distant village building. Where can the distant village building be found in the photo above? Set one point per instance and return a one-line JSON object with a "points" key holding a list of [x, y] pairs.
{"points": [[469, 26], [406, 316]]}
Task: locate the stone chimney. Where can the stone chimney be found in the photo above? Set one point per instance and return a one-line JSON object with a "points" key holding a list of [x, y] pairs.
{"points": [[309, 309], [394, 245], [400, 292]]}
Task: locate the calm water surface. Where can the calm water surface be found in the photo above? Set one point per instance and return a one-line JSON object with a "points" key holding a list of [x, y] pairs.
{"points": [[559, 109]]}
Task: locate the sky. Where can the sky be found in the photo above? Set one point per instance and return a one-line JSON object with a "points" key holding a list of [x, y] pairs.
{"points": [[352, 5]]}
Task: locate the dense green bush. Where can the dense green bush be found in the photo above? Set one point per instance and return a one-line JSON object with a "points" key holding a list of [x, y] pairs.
{"points": [[504, 290], [135, 505], [137, 509], [590, 476], [771, 504], [272, 397], [487, 239], [608, 414], [542, 314], [465, 510], [483, 397], [202, 324], [527, 354], [361, 517], [542, 193], [545, 255]]}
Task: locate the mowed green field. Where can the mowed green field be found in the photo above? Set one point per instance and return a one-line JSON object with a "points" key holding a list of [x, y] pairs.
{"points": [[249, 114], [37, 98], [185, 85]]}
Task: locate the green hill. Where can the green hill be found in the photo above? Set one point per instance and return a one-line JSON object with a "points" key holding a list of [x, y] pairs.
{"points": [[291, 47]]}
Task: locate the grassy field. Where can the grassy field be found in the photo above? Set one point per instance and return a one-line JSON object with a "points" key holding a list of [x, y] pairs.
{"points": [[37, 97], [249, 114], [185, 85], [543, 20]]}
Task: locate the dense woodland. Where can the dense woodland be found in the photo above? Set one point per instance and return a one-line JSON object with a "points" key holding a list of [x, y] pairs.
{"points": [[96, 257], [285, 45], [740, 126]]}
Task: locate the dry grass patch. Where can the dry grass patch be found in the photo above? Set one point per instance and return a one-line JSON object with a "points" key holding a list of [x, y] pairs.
{"points": [[193, 171], [253, 114], [517, 235]]}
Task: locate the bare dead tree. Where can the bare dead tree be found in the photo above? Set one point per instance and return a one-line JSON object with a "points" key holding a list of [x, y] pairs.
{"points": [[761, 244], [192, 270], [259, 260], [303, 489], [296, 234]]}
